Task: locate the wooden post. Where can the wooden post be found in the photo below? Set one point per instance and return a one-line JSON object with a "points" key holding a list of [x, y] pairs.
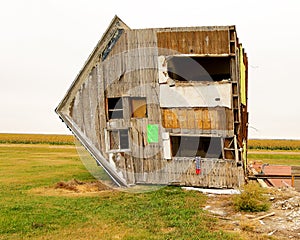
{"points": [[236, 151]]}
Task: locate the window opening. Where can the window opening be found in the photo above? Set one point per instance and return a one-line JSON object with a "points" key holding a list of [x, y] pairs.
{"points": [[205, 147], [184, 68], [115, 108]]}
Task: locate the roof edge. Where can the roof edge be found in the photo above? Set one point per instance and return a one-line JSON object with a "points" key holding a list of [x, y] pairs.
{"points": [[190, 28], [116, 22]]}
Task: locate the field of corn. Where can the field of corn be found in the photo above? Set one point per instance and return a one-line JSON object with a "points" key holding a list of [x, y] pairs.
{"points": [[52, 139], [274, 144], [266, 144]]}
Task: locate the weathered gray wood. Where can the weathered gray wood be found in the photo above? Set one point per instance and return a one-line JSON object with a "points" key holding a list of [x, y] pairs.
{"points": [[130, 69]]}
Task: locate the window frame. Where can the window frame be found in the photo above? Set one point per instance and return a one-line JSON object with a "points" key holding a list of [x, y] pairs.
{"points": [[119, 144]]}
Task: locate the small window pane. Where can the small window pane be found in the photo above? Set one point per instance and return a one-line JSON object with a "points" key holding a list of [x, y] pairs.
{"points": [[114, 140], [115, 103], [124, 141], [115, 108], [115, 114]]}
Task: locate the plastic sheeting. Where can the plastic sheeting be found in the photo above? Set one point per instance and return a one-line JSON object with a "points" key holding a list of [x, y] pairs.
{"points": [[152, 133]]}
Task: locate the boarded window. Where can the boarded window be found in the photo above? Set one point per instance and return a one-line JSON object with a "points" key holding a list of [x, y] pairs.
{"points": [[183, 68], [115, 108], [118, 139], [138, 107], [205, 147]]}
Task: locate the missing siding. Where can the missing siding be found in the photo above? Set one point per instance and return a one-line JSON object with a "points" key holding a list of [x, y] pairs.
{"points": [[183, 68], [111, 43], [205, 147]]}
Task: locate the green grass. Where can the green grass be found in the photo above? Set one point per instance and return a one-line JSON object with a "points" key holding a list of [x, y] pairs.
{"points": [[169, 213], [276, 158], [252, 199]]}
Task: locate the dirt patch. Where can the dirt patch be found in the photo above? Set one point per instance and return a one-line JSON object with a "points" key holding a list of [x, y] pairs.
{"points": [[73, 188], [81, 187], [282, 221]]}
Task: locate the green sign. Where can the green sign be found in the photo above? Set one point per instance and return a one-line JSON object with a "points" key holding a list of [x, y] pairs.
{"points": [[152, 133]]}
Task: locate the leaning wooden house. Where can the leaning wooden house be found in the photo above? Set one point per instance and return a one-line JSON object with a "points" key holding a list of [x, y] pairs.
{"points": [[163, 105]]}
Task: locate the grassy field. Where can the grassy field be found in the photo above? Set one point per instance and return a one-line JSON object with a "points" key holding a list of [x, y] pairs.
{"points": [[31, 164], [169, 213], [281, 152], [276, 157]]}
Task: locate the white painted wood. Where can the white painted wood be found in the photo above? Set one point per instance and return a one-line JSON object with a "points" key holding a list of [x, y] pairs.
{"points": [[162, 70], [166, 145], [214, 191], [203, 95]]}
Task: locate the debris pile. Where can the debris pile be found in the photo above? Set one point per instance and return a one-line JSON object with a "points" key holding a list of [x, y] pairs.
{"points": [[81, 187], [282, 221], [288, 213]]}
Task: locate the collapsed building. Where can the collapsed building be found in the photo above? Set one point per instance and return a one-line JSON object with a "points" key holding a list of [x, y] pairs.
{"points": [[163, 106]]}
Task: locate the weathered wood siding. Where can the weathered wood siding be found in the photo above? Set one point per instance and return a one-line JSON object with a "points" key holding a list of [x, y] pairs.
{"points": [[215, 173], [194, 42], [130, 69], [198, 118]]}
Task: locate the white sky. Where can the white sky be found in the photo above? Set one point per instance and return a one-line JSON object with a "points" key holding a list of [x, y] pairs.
{"points": [[44, 44]]}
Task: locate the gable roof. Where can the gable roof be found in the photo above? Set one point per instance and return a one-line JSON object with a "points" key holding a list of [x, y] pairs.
{"points": [[102, 48], [110, 32]]}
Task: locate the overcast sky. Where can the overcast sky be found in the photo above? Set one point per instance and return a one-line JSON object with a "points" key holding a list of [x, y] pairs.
{"points": [[44, 44]]}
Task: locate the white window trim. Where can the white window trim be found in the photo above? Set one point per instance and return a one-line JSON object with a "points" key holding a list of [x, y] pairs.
{"points": [[107, 141]]}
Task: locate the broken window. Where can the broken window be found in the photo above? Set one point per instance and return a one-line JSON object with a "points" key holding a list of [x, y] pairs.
{"points": [[118, 139], [185, 68], [192, 146], [115, 108], [138, 107]]}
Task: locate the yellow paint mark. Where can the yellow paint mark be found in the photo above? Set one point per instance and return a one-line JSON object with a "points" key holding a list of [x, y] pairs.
{"points": [[242, 77]]}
